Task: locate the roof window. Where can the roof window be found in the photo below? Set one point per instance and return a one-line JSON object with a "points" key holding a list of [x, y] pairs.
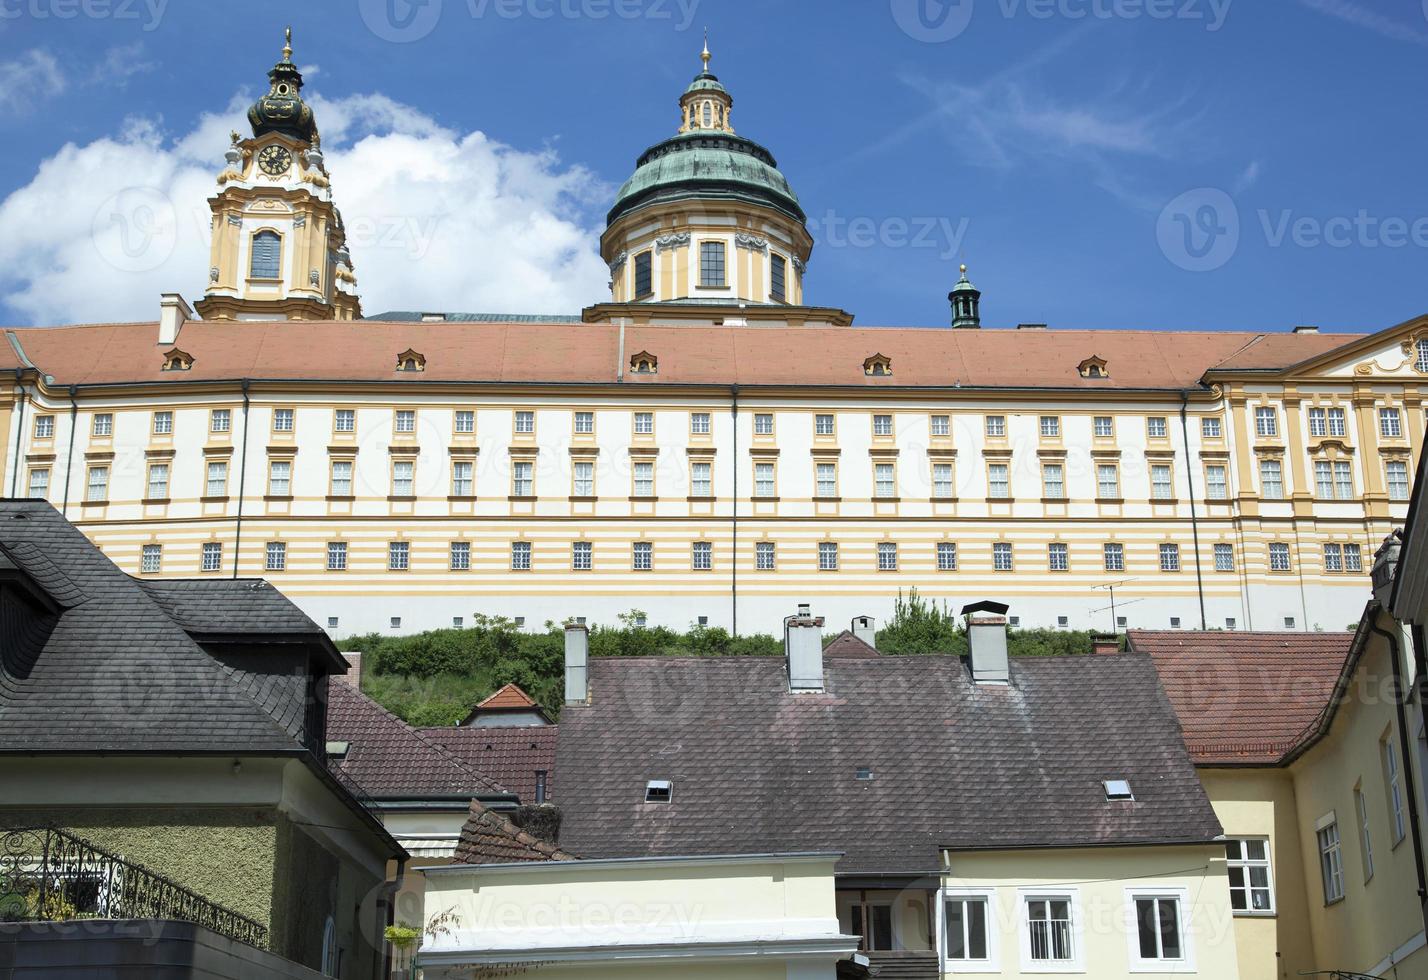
{"points": [[1118, 790], [659, 791]]}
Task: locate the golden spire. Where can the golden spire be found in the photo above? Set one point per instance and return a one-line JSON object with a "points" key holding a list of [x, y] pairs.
{"points": [[705, 55], [288, 44]]}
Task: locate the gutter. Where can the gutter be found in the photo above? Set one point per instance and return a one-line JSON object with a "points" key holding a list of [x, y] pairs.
{"points": [[1405, 765], [1194, 516], [69, 457]]}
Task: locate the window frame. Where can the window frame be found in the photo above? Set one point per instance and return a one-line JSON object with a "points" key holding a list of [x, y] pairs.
{"points": [[162, 423], [210, 550], [1390, 417], [707, 254], [1225, 548], [887, 556], [1139, 963], [1392, 486], [146, 550], [1211, 427], [399, 556], [283, 413], [464, 487], [341, 415], [522, 553], [1219, 488], [1058, 557], [701, 423], [701, 487], [460, 416], [643, 269], [1276, 548], [1391, 767], [31, 488], [275, 556], [946, 555], [266, 235], [1053, 481], [701, 556], [223, 416], [1266, 422], [778, 278], [1116, 548], [1072, 897], [1329, 845], [764, 423], [1049, 426], [334, 484], [104, 431], [96, 491], [273, 465], [995, 426], [338, 554], [642, 556], [825, 549], [765, 556], [578, 426], [818, 418], [1103, 485], [1000, 548], [459, 556], [1246, 863], [991, 963], [1106, 431], [1267, 463]]}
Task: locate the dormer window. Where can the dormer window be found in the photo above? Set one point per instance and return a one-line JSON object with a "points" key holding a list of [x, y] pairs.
{"points": [[410, 360], [878, 366], [1093, 367], [644, 363], [177, 360], [659, 791]]}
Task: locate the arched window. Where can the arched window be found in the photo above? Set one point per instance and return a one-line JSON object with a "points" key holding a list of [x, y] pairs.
{"points": [[708, 115], [267, 251]]}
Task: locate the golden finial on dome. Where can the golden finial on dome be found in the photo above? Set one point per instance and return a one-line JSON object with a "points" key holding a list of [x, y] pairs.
{"points": [[288, 44], [705, 55], [964, 268]]}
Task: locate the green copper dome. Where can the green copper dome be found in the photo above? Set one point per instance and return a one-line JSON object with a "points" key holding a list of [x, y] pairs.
{"points": [[705, 82]]}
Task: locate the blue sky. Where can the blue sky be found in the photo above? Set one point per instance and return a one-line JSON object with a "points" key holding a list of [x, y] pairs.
{"points": [[1165, 164]]}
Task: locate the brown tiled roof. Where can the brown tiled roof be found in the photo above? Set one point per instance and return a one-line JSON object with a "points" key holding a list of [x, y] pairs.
{"points": [[509, 756], [510, 696], [391, 760], [489, 838], [1245, 698], [565, 352], [846, 646], [756, 769]]}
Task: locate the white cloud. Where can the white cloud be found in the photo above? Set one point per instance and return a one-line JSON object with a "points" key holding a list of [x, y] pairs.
{"points": [[1369, 19], [28, 80], [437, 219], [119, 64]]}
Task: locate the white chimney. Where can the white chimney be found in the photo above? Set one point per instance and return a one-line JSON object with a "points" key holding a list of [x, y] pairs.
{"points": [[174, 312], [803, 645], [577, 662], [865, 628], [987, 636]]}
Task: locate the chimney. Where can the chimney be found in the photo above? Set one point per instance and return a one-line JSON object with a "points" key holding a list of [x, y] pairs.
{"points": [[803, 645], [1306, 329], [174, 312], [354, 670], [1105, 644], [577, 660], [865, 628], [987, 636]]}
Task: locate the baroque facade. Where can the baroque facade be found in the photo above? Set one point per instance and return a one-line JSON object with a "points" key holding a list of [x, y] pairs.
{"points": [[706, 439]]}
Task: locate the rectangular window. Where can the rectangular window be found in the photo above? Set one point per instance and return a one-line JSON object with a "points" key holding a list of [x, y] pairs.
{"points": [[1393, 788], [1216, 482], [97, 484], [525, 423], [644, 423], [644, 480], [1343, 480], [1115, 557], [1251, 885], [399, 554], [103, 425], [1104, 426], [39, 483], [764, 556], [996, 426], [403, 478], [1279, 557], [1353, 558], [523, 479], [998, 481], [711, 263], [275, 556], [874, 924], [1266, 422], [1160, 482], [1323, 479], [1049, 930], [763, 424], [582, 556], [1155, 427], [1158, 935], [1210, 427], [699, 423], [584, 479], [1397, 471], [344, 420], [212, 556], [1271, 479], [1338, 422], [764, 480], [282, 420], [1170, 558], [280, 478], [1108, 481], [151, 558], [827, 556], [1333, 558], [778, 271], [1058, 557], [521, 556], [342, 477], [1390, 423], [885, 479], [1365, 832], [1224, 558], [220, 420], [644, 278], [942, 481], [1331, 863], [584, 423], [946, 556], [1002, 557], [702, 557], [823, 425], [406, 421], [882, 425], [1053, 481], [1318, 422], [968, 938], [642, 560], [463, 482], [887, 556], [337, 556], [163, 423], [941, 425], [827, 479], [44, 426], [217, 483], [460, 556], [1050, 426], [465, 422], [701, 479]]}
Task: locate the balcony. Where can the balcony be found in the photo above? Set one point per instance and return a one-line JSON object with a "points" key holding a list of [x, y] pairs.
{"points": [[903, 965]]}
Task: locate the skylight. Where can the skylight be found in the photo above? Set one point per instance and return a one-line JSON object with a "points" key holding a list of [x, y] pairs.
{"points": [[659, 791], [1118, 790]]}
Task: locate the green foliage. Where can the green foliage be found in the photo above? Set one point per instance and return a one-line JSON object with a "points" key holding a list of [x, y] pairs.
{"points": [[922, 627], [403, 936]]}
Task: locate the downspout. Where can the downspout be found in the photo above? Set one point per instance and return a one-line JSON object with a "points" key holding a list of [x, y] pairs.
{"points": [[1405, 764], [69, 459], [19, 433], [734, 520], [242, 482], [1194, 515]]}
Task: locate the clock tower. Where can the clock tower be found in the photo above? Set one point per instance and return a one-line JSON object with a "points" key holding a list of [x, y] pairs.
{"points": [[279, 248]]}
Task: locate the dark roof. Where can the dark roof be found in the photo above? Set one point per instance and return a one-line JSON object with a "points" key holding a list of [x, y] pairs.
{"points": [[1245, 699], [846, 646], [112, 670], [510, 756], [235, 609], [391, 760], [490, 838], [756, 769]]}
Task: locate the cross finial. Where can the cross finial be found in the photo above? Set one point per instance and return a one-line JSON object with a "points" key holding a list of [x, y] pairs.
{"points": [[288, 44], [705, 55]]}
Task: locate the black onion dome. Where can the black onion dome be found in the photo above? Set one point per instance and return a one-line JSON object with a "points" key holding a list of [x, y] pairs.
{"points": [[282, 109]]}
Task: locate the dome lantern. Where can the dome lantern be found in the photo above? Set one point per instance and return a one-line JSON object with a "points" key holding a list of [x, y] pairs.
{"points": [[282, 109], [966, 302]]}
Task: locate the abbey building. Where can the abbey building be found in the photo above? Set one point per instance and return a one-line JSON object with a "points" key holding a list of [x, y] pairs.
{"points": [[710, 444]]}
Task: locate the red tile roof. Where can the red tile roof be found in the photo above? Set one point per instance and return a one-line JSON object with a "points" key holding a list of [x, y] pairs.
{"points": [[846, 646], [1245, 698], [509, 697], [510, 756], [489, 838]]}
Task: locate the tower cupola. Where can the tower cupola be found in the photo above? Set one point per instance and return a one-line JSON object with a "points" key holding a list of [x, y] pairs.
{"points": [[705, 105], [282, 110], [966, 302]]}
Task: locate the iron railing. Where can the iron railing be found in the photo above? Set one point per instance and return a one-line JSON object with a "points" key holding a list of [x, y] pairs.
{"points": [[48, 875]]}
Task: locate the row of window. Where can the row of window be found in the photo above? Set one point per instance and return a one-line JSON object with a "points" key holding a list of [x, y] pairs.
{"points": [[1331, 858], [712, 271]]}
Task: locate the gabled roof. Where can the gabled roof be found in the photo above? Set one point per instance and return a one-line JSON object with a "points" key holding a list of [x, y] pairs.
{"points": [[1245, 699], [490, 838], [509, 756], [899, 757], [508, 697], [846, 646]]}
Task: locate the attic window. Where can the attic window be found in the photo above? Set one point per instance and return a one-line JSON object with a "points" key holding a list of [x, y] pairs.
{"points": [[659, 791], [644, 363], [410, 360], [177, 360], [1118, 790], [1093, 367], [878, 366], [338, 750], [865, 774]]}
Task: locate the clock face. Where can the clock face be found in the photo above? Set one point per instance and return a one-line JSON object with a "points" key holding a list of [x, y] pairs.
{"points": [[275, 160]]}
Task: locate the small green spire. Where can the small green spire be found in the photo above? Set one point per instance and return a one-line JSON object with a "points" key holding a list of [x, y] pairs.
{"points": [[966, 300]]}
